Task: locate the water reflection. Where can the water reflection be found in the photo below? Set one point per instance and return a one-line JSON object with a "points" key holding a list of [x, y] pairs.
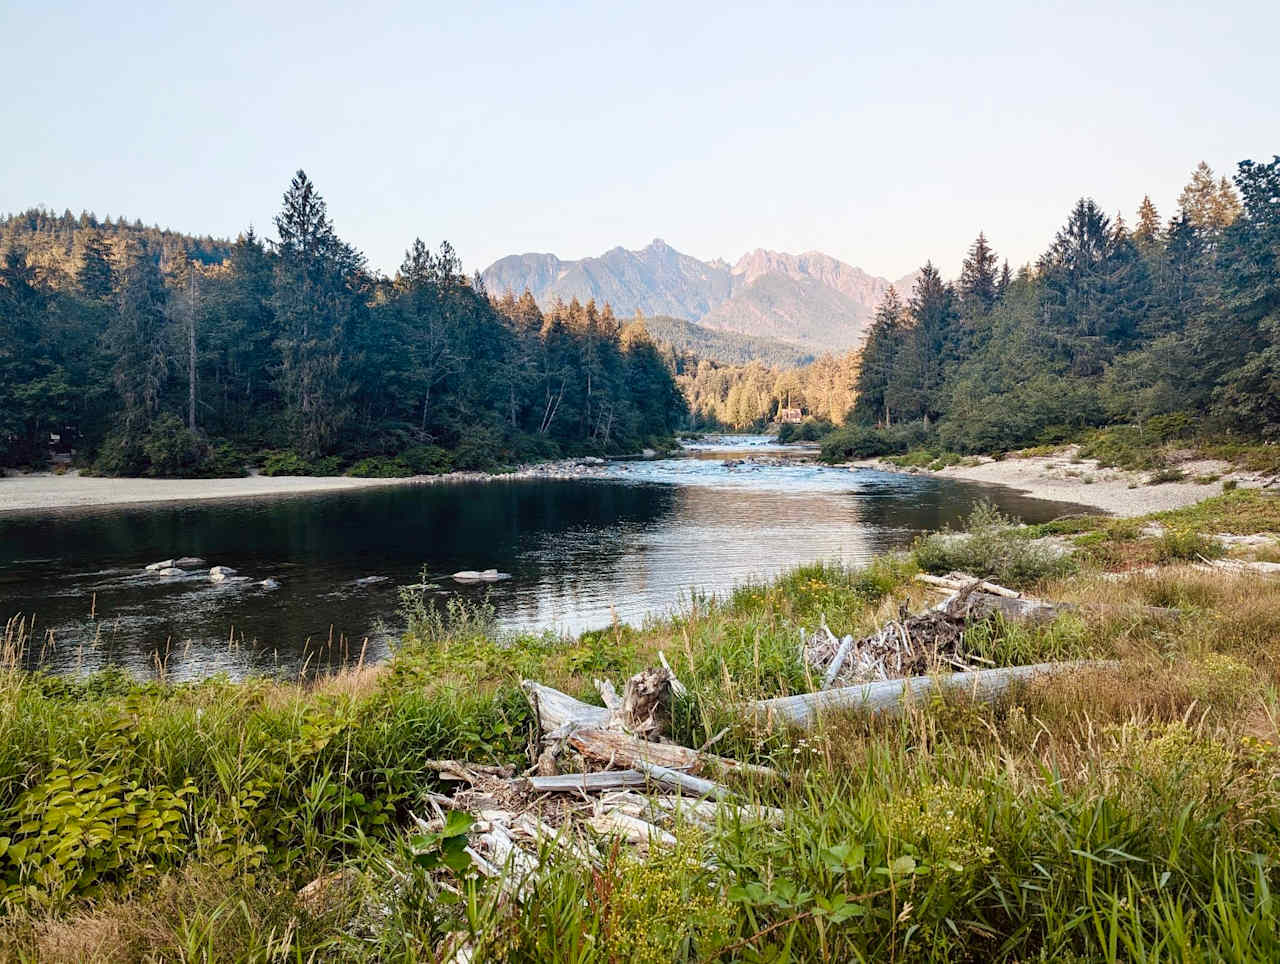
{"points": [[581, 553]]}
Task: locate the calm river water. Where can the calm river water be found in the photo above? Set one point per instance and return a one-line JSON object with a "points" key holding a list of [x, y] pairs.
{"points": [[580, 553]]}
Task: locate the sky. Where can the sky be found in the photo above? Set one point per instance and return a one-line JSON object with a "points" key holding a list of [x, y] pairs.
{"points": [[883, 134]]}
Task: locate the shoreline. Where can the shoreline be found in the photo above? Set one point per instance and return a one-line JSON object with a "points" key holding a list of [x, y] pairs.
{"points": [[1065, 477], [47, 492]]}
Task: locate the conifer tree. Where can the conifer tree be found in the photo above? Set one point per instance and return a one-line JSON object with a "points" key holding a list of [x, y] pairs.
{"points": [[1147, 232], [978, 279]]}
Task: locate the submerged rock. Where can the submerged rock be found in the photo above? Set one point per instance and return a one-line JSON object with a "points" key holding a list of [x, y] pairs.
{"points": [[220, 573], [269, 584], [370, 580]]}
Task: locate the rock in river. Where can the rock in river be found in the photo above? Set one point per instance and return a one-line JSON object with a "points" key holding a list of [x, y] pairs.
{"points": [[219, 573], [189, 562], [483, 575], [171, 571], [157, 566]]}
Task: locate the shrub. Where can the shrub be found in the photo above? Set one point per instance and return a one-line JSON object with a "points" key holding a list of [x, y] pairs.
{"points": [[289, 462], [1187, 545], [380, 467], [810, 430], [991, 547]]}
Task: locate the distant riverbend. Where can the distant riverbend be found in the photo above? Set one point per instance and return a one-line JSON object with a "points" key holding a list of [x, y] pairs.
{"points": [[318, 575]]}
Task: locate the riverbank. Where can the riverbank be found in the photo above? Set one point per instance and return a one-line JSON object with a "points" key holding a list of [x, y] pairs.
{"points": [[1133, 804], [47, 491], [1064, 476]]}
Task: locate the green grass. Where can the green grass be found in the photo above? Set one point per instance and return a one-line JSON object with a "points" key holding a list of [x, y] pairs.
{"points": [[1129, 813]]}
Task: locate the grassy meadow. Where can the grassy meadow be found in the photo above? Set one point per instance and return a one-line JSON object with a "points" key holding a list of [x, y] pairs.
{"points": [[1125, 813]]}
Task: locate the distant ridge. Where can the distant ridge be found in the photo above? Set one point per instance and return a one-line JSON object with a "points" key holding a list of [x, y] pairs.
{"points": [[812, 300]]}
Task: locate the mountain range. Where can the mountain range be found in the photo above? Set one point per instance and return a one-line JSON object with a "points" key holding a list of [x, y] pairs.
{"points": [[812, 300]]}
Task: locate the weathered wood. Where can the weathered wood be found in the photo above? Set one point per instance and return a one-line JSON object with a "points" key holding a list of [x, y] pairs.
{"points": [[676, 780], [586, 782], [955, 583], [633, 829], [556, 709], [1244, 565], [646, 702], [837, 662], [889, 696], [707, 811], [608, 695], [620, 749]]}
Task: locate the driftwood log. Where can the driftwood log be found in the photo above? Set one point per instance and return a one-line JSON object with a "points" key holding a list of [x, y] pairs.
{"points": [[889, 696]]}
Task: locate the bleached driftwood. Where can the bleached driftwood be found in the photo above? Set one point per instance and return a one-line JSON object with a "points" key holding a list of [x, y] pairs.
{"points": [[889, 696], [706, 811], [632, 829], [837, 662], [585, 782], [615, 748], [556, 709], [1243, 565], [676, 780], [956, 581]]}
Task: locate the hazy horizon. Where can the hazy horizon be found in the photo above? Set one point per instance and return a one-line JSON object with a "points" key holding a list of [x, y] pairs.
{"points": [[880, 137]]}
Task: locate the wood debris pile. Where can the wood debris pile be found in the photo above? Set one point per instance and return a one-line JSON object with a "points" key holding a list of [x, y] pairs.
{"points": [[923, 643]]}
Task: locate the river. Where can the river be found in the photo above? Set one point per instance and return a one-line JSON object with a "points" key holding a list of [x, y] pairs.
{"points": [[631, 543]]}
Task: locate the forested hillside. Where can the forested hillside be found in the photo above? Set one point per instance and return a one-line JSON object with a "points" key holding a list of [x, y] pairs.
{"points": [[723, 347], [1174, 326], [150, 352], [751, 396]]}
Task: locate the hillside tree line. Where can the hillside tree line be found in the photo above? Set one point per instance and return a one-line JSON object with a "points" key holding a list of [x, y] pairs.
{"points": [[1175, 321], [148, 352]]}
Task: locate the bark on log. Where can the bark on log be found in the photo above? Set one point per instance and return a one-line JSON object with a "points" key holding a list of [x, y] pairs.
{"points": [[804, 709]]}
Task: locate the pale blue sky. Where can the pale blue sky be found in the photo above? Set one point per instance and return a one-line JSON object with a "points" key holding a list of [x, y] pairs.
{"points": [[881, 134]]}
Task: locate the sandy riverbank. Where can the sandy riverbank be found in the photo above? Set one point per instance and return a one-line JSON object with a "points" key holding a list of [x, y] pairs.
{"points": [[1065, 477], [45, 491]]}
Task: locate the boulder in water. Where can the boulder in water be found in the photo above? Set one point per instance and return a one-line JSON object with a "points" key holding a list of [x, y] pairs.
{"points": [[371, 580], [189, 562], [269, 584], [157, 566], [219, 573], [483, 575], [171, 571]]}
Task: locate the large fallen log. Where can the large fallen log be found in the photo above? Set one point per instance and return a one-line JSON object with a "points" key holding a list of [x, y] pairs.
{"points": [[890, 696]]}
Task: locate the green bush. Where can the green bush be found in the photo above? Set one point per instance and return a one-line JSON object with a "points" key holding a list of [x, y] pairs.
{"points": [[992, 547], [861, 442], [291, 463], [1187, 545], [381, 467], [810, 430]]}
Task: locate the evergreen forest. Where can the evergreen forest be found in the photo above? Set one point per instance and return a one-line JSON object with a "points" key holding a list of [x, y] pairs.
{"points": [[1170, 326], [147, 352]]}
